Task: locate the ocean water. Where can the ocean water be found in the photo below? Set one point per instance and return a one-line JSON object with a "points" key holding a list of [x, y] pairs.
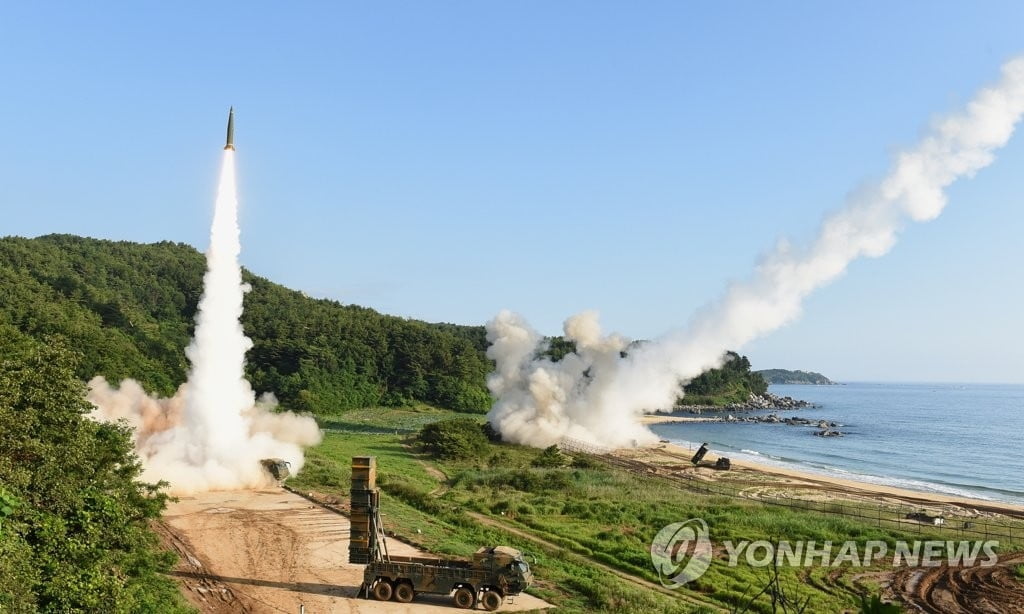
{"points": [[953, 439]]}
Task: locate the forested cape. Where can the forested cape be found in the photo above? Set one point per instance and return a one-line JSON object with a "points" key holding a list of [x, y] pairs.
{"points": [[128, 308]]}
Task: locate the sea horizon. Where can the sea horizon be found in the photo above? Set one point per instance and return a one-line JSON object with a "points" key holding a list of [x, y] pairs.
{"points": [[842, 382], [939, 438]]}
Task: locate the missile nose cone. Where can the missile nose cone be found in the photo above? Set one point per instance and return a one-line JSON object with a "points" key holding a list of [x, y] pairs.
{"points": [[231, 129]]}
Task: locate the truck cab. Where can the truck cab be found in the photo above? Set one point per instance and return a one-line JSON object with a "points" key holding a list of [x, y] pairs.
{"points": [[507, 566]]}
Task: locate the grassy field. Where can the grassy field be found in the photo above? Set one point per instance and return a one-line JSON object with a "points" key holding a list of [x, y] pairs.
{"points": [[589, 526]]}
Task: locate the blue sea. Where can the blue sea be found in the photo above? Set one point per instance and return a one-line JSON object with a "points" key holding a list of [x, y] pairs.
{"points": [[963, 440]]}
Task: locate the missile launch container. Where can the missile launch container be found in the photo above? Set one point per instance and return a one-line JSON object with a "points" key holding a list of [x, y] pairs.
{"points": [[277, 467], [492, 575]]}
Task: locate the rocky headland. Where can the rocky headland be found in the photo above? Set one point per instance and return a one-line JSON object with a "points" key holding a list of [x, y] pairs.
{"points": [[753, 403], [756, 402]]}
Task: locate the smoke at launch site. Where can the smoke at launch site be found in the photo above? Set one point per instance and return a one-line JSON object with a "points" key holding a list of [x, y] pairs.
{"points": [[212, 433], [598, 393]]}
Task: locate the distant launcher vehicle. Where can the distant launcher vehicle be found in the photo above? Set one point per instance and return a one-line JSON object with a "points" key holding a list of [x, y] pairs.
{"points": [[277, 467], [493, 574], [698, 459]]}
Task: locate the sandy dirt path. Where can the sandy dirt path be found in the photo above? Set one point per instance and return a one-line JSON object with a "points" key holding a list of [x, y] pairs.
{"points": [[273, 551]]}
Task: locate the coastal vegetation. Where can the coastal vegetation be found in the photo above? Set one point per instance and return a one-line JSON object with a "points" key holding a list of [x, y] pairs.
{"points": [[733, 382]]}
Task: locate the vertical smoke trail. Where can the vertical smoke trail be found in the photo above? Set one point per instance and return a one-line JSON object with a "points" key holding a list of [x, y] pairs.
{"points": [[213, 433], [218, 392], [597, 395]]}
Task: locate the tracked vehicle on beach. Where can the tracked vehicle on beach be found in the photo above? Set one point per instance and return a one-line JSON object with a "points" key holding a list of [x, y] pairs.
{"points": [[492, 575]]}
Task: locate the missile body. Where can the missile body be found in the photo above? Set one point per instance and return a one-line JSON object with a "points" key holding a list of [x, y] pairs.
{"points": [[231, 130]]}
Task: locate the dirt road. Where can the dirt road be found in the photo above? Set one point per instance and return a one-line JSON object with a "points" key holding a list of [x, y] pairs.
{"points": [[273, 551]]}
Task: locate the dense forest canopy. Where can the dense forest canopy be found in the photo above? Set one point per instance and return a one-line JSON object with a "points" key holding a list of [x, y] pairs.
{"points": [[129, 308]]}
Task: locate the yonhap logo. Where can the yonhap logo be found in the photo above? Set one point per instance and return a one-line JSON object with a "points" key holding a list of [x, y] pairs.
{"points": [[681, 552]]}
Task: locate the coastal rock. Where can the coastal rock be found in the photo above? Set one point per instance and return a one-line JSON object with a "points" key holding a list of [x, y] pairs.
{"points": [[828, 433], [755, 402]]}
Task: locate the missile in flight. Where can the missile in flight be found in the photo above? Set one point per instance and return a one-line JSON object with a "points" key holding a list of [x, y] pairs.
{"points": [[231, 130]]}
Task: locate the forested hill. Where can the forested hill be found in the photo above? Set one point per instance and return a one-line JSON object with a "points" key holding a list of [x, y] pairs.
{"points": [[785, 376], [129, 309]]}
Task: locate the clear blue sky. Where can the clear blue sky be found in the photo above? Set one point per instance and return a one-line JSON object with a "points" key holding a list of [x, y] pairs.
{"points": [[444, 160]]}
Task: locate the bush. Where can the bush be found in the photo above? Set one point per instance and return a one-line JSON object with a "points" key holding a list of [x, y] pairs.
{"points": [[499, 460], [584, 462], [527, 480], [491, 433], [458, 438], [550, 457]]}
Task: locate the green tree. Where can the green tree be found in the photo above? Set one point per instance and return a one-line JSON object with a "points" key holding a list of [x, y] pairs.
{"points": [[129, 308], [550, 457], [733, 382], [80, 532], [454, 438]]}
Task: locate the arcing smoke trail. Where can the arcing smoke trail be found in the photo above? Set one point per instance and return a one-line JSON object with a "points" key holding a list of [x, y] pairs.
{"points": [[212, 434], [597, 394]]}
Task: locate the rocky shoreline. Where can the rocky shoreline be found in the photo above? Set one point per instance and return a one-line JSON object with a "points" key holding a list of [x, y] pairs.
{"points": [[762, 402], [825, 428], [755, 402]]}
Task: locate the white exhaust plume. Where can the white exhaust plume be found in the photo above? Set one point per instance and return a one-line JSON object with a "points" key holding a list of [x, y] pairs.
{"points": [[597, 395], [212, 434]]}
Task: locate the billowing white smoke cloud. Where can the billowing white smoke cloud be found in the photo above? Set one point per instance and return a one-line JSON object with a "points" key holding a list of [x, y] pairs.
{"points": [[596, 395], [212, 434]]}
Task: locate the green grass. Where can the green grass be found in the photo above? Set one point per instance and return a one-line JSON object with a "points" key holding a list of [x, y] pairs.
{"points": [[1018, 571], [380, 420], [599, 514], [569, 582]]}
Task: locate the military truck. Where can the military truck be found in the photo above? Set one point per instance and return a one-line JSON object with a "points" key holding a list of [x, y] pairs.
{"points": [[492, 575]]}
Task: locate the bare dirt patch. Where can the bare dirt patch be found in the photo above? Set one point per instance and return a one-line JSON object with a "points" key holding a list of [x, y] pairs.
{"points": [[962, 590], [272, 551]]}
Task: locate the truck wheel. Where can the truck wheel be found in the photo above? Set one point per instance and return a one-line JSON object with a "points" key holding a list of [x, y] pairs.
{"points": [[464, 598], [491, 600], [382, 590], [404, 592]]}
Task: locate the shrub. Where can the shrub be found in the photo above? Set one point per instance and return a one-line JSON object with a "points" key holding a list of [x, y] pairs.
{"points": [[501, 459], [584, 462], [550, 457], [457, 438]]}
